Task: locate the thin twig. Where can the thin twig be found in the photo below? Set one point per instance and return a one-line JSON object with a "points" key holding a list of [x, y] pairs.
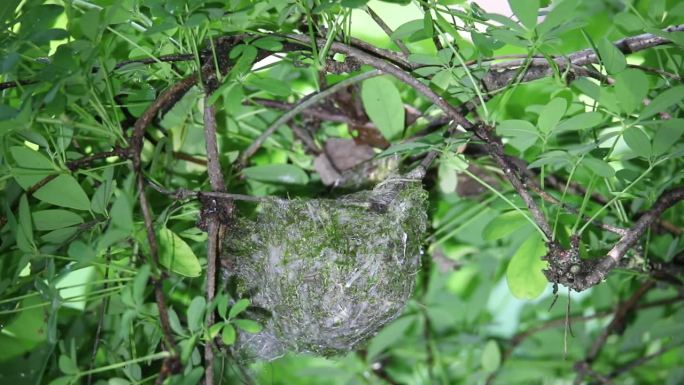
{"points": [[519, 338], [642, 360], [301, 106], [616, 325], [493, 144], [183, 194], [381, 23], [657, 71], [501, 74], [100, 321], [598, 271]]}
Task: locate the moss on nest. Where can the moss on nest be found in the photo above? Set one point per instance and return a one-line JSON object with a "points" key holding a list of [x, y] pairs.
{"points": [[330, 272]]}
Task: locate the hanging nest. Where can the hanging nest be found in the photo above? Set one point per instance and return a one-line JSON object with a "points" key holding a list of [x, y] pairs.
{"points": [[328, 273]]}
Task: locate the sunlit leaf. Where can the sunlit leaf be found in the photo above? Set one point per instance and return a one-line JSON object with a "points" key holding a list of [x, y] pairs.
{"points": [[526, 11], [247, 325], [491, 357], [384, 107], [238, 307], [551, 114], [228, 335], [177, 255], [611, 57], [524, 273]]}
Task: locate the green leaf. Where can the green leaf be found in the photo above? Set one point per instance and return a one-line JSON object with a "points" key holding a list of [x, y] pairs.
{"points": [[524, 273], [247, 325], [248, 54], [428, 27], [412, 148], [122, 213], [491, 357], [667, 134], [504, 225], [447, 177], [557, 158], [269, 44], [526, 11], [64, 191], [228, 335], [175, 323], [277, 173], [25, 227], [32, 166], [580, 122], [103, 194], [561, 13], [90, 24], [551, 114], [424, 59], [55, 219], [508, 36], [64, 380], [270, 85], [59, 236], [455, 161], [238, 308], [195, 313], [599, 167], [176, 255], [611, 57], [631, 87], [407, 29], [222, 304], [523, 134], [389, 335], [661, 102], [442, 79], [384, 107], [325, 6], [67, 365], [140, 284], [638, 141], [214, 330]]}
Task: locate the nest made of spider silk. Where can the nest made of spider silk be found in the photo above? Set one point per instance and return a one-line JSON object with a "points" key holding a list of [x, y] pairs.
{"points": [[328, 272]]}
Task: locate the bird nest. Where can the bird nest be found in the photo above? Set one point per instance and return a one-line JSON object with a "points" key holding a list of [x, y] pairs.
{"points": [[327, 273]]}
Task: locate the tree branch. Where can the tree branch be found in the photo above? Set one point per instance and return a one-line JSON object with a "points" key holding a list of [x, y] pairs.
{"points": [[493, 144], [580, 274], [503, 73]]}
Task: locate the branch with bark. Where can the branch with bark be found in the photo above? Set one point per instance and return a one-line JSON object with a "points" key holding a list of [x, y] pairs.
{"points": [[568, 269]]}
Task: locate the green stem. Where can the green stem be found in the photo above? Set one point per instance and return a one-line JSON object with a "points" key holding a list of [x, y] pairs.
{"points": [[118, 365], [617, 196], [565, 191], [513, 205]]}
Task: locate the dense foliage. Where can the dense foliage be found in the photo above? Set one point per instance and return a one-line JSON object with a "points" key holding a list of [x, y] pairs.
{"points": [[134, 133]]}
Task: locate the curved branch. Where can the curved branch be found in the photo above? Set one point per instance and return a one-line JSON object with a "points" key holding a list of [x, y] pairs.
{"points": [[566, 268], [502, 73], [301, 106]]}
